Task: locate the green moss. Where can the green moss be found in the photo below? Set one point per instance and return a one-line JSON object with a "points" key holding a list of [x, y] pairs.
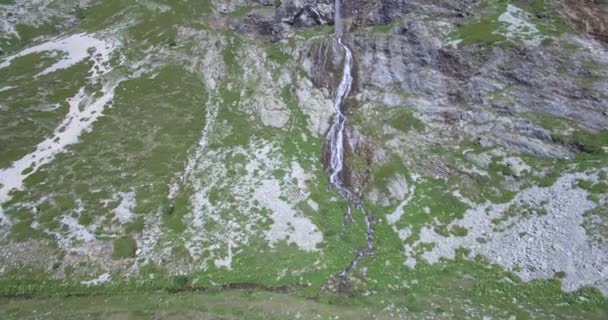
{"points": [[275, 53], [383, 174], [137, 145], [480, 32], [24, 122], [500, 168], [488, 30], [22, 231], [382, 28], [459, 231], [433, 204], [403, 119], [123, 248], [135, 226], [371, 121], [314, 32], [545, 16], [600, 187], [243, 10]]}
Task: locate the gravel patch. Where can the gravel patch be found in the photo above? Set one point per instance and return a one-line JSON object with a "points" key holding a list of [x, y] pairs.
{"points": [[537, 246]]}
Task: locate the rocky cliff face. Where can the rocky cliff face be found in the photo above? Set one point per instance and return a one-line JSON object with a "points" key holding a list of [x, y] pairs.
{"points": [[164, 140]]}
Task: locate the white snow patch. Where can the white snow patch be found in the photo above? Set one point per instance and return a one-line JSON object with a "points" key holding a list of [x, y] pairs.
{"points": [[104, 278], [8, 29], [7, 88], [398, 187], [311, 203], [405, 233], [5, 223], [454, 43], [227, 261], [84, 110], [399, 211], [287, 224], [123, 212], [76, 232], [518, 26], [78, 47], [210, 116], [460, 197]]}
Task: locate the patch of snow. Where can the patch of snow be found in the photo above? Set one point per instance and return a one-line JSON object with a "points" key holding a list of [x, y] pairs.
{"points": [[225, 262], [399, 211], [77, 47], [76, 232], [46, 108], [7, 88], [104, 278], [84, 110], [518, 26], [454, 43], [398, 187], [287, 224], [5, 223], [405, 233], [460, 197], [311, 203], [123, 212]]}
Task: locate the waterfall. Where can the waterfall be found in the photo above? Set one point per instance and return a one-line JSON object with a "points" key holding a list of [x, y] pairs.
{"points": [[335, 135], [336, 139], [337, 19]]}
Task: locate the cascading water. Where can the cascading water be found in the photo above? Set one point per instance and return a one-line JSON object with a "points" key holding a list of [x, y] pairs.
{"points": [[335, 135], [336, 139], [337, 18]]}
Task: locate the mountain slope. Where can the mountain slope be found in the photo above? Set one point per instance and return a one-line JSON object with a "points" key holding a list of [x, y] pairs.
{"points": [[180, 146]]}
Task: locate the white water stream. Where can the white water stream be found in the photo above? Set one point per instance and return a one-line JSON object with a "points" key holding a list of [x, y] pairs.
{"points": [[335, 136], [336, 139]]}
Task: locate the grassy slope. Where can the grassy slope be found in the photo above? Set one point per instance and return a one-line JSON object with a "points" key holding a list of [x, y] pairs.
{"points": [[447, 289]]}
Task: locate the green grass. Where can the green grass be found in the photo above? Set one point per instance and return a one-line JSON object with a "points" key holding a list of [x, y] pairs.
{"points": [[480, 32], [403, 119], [587, 142], [545, 16], [236, 304], [314, 32], [435, 197], [382, 28], [483, 30], [370, 121], [243, 10], [123, 248], [28, 119], [600, 187], [448, 289], [486, 29], [144, 140], [275, 53], [132, 147]]}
